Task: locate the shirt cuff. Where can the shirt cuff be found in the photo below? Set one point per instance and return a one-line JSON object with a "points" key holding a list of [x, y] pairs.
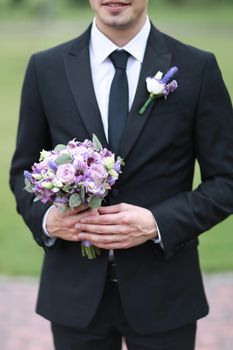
{"points": [[48, 240], [158, 240]]}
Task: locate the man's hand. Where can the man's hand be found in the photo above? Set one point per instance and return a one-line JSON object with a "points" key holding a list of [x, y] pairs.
{"points": [[61, 225], [118, 226]]}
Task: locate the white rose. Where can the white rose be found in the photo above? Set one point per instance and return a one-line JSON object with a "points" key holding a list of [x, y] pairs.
{"points": [[154, 86]]}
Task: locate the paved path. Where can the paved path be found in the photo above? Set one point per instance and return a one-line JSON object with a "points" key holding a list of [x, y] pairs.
{"points": [[22, 329]]}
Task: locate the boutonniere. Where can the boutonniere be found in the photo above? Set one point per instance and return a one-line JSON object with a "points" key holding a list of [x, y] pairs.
{"points": [[159, 86]]}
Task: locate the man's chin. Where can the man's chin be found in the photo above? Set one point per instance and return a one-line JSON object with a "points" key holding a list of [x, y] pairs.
{"points": [[118, 23]]}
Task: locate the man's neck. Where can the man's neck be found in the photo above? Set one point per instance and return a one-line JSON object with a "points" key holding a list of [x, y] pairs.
{"points": [[121, 36]]}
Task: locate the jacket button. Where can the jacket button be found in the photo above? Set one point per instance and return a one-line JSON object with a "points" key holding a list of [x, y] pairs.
{"points": [[115, 192]]}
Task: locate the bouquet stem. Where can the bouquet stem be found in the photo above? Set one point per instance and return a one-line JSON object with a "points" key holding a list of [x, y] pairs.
{"points": [[89, 251]]}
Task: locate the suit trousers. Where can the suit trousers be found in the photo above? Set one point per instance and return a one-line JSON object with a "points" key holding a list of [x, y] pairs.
{"points": [[109, 326]]}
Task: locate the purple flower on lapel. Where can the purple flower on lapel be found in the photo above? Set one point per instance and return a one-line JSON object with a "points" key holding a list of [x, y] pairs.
{"points": [[159, 86], [169, 75]]}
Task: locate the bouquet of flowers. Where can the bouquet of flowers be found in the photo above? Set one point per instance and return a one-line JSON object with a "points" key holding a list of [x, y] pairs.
{"points": [[74, 174]]}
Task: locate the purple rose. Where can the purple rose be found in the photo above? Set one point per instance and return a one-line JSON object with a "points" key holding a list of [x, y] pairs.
{"points": [[97, 173], [66, 173]]}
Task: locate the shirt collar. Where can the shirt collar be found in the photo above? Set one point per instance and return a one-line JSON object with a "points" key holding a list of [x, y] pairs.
{"points": [[102, 47]]}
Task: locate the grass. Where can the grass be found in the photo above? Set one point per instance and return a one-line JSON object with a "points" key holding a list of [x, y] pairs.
{"points": [[20, 36]]}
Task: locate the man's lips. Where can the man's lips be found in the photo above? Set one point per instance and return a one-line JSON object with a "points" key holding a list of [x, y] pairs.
{"points": [[115, 4]]}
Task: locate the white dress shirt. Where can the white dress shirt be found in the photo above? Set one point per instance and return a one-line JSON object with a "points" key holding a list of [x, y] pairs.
{"points": [[103, 72]]}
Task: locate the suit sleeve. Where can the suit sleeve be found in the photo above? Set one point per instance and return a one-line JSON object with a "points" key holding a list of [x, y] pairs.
{"points": [[33, 136], [182, 218]]}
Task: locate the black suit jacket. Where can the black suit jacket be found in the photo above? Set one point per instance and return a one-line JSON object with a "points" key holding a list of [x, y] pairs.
{"points": [[160, 289]]}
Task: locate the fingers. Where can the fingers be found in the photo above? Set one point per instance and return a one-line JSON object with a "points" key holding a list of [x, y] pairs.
{"points": [[72, 219], [67, 235], [63, 226], [107, 219], [117, 245], [102, 229], [96, 239], [102, 226], [70, 212], [88, 213], [108, 242], [113, 209]]}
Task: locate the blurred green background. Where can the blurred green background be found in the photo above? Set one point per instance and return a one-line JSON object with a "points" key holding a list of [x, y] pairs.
{"points": [[27, 26]]}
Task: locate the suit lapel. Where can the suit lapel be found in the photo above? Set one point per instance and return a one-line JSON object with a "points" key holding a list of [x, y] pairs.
{"points": [[157, 58], [77, 64]]}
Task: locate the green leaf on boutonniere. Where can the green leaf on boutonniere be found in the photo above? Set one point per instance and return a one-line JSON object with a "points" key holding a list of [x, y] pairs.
{"points": [[96, 143]]}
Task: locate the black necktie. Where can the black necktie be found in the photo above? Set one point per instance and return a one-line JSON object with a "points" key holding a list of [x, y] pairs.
{"points": [[118, 99]]}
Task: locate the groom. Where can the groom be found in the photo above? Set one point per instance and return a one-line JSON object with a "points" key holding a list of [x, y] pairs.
{"points": [[147, 284]]}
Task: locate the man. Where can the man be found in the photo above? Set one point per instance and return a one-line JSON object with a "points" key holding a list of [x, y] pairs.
{"points": [[149, 228]]}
